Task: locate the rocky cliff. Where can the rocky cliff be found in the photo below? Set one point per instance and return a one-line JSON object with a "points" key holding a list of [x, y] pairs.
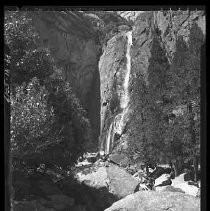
{"points": [[101, 73], [165, 26], [75, 48]]}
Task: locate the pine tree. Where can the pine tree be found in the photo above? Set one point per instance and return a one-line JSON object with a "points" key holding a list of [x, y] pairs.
{"points": [[185, 89]]}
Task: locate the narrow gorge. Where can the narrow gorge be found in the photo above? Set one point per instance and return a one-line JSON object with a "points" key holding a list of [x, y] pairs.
{"points": [[124, 108], [101, 74]]}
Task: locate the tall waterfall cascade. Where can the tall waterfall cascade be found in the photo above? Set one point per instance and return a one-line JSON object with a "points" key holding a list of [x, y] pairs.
{"points": [[125, 98], [120, 123]]}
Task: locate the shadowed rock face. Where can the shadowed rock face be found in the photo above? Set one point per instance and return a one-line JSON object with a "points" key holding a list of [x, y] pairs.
{"points": [[74, 47]]}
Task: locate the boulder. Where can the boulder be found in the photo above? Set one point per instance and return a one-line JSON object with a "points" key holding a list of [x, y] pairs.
{"points": [[165, 183], [159, 171], [156, 201], [121, 183], [163, 179], [188, 189], [94, 179], [119, 159]]}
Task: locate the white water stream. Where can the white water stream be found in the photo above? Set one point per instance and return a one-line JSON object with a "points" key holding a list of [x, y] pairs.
{"points": [[125, 98], [108, 141]]}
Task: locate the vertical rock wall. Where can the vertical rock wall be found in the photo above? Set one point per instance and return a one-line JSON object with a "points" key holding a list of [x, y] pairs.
{"points": [[167, 25], [74, 47], [99, 80]]}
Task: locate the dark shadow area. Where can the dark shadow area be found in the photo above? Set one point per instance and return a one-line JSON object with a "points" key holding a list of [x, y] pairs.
{"points": [[203, 126], [6, 145], [93, 199], [39, 186], [94, 106]]}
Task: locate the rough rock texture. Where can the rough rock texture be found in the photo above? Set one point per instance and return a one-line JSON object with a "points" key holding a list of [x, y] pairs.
{"points": [[119, 159], [98, 79], [96, 179], [74, 45], [156, 201], [121, 183], [112, 67], [162, 179], [177, 23], [167, 25], [129, 15]]}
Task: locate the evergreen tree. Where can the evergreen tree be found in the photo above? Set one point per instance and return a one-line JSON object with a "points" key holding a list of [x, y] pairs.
{"points": [[147, 120], [48, 123], [185, 89]]}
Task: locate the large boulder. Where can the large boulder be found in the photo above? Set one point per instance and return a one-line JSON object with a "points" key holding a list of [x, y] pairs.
{"points": [[96, 179], [163, 180], [156, 201], [188, 189], [121, 183], [119, 159]]}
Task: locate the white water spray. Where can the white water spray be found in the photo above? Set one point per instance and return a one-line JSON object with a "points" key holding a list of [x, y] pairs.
{"points": [[109, 141], [125, 98]]}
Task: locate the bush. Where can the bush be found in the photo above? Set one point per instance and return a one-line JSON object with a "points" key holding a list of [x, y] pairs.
{"points": [[48, 124]]}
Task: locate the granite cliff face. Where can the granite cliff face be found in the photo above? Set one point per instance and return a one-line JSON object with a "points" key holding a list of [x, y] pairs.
{"points": [[75, 49], [103, 80], [113, 66]]}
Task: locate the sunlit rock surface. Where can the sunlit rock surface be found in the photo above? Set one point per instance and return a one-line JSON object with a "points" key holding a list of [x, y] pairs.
{"points": [[147, 25], [151, 201]]}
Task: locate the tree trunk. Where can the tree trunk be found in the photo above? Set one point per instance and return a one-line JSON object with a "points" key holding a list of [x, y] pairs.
{"points": [[177, 166], [147, 170], [195, 165], [175, 169], [193, 139]]}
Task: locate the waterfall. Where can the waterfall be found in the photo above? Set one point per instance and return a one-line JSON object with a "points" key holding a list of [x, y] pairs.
{"points": [[125, 98], [109, 141]]}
